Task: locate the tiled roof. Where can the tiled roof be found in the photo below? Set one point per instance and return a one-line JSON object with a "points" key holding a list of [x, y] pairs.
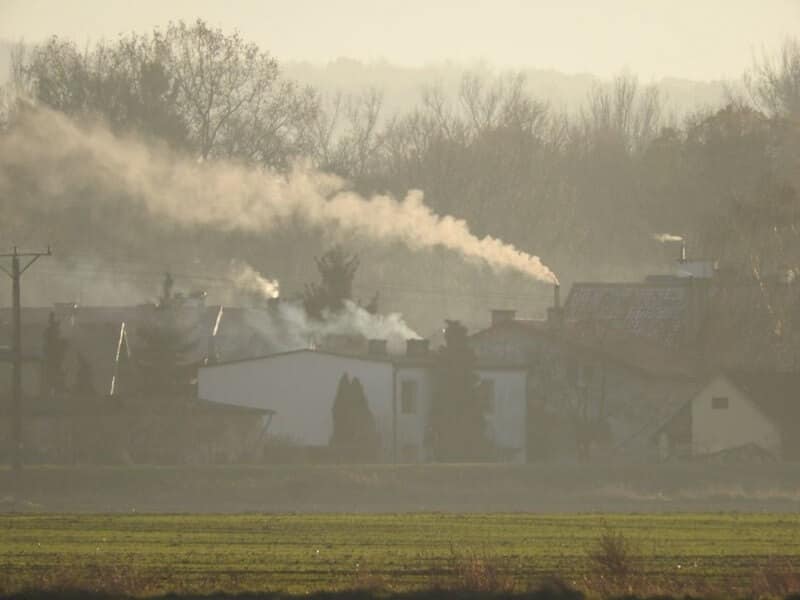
{"points": [[655, 310]]}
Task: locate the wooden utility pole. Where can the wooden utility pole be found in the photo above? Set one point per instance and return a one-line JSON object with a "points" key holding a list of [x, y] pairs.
{"points": [[16, 352]]}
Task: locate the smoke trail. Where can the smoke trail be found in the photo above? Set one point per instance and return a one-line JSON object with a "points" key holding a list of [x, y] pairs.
{"points": [[61, 160], [287, 327], [247, 279], [667, 237]]}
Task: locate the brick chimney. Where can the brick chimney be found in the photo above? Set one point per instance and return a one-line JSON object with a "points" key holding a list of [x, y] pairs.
{"points": [[555, 313]]}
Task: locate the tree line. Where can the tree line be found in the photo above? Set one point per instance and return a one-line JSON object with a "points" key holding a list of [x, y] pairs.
{"points": [[586, 189]]}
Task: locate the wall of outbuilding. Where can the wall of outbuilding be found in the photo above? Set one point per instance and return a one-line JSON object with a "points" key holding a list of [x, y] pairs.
{"points": [[300, 387]]}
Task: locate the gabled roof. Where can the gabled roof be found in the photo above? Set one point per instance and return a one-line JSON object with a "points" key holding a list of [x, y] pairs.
{"points": [[616, 345], [776, 394], [388, 359], [368, 358], [655, 309]]}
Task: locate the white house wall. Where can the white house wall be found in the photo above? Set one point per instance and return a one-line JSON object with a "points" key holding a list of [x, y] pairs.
{"points": [[741, 423], [507, 422], [300, 387], [412, 428]]}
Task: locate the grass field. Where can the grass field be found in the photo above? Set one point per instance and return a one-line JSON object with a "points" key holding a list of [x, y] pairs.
{"points": [[150, 554]]}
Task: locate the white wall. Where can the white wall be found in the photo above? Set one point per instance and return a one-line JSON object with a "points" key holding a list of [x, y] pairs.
{"points": [[300, 387], [720, 429], [411, 428], [507, 423]]}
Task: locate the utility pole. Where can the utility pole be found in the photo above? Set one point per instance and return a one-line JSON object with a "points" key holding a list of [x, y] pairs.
{"points": [[16, 352]]}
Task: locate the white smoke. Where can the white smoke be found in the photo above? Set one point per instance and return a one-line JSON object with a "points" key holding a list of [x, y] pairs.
{"points": [[288, 327], [64, 160], [247, 279], [667, 237]]}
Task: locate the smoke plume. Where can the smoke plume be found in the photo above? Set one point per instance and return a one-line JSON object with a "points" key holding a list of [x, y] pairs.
{"points": [[59, 160], [287, 326], [667, 237], [248, 280]]}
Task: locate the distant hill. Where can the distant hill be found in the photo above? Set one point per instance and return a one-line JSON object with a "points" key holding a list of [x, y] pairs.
{"points": [[402, 86]]}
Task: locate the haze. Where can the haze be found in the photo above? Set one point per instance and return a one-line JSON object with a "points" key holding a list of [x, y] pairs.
{"points": [[714, 39]]}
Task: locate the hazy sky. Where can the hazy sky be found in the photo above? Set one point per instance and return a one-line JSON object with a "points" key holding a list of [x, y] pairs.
{"points": [[698, 39]]}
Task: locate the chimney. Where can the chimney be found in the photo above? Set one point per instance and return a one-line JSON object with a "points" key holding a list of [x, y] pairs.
{"points": [[555, 314], [502, 316], [682, 259], [376, 347], [417, 348]]}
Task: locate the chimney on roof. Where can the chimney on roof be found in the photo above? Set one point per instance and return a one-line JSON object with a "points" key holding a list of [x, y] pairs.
{"points": [[376, 347], [682, 258], [503, 316], [417, 348], [555, 314]]}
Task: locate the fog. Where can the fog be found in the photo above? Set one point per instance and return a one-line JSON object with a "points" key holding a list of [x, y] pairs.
{"points": [[438, 258]]}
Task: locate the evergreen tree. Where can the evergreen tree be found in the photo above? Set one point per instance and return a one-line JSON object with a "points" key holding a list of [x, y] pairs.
{"points": [[354, 436], [457, 417], [165, 344], [337, 269]]}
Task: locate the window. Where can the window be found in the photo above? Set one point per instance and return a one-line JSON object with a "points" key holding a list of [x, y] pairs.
{"points": [[719, 403], [487, 395], [408, 397]]}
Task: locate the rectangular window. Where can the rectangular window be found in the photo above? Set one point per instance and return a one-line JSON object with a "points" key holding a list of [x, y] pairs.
{"points": [[719, 403], [408, 397], [487, 395]]}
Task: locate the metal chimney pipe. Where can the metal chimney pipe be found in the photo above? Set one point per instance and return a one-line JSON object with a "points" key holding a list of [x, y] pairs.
{"points": [[557, 296], [683, 252]]}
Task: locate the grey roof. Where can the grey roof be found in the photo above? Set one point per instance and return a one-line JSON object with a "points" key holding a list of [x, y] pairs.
{"points": [[656, 310]]}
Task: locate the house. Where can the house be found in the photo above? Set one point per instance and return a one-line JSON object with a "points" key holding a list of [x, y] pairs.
{"points": [[735, 413], [589, 394], [612, 371], [103, 413], [301, 385]]}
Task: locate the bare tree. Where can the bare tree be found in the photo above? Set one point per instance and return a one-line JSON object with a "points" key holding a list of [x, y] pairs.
{"points": [[774, 83]]}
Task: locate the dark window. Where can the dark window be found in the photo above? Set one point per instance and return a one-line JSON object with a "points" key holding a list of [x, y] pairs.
{"points": [[719, 403], [408, 397]]}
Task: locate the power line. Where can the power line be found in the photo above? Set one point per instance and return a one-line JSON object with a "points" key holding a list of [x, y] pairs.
{"points": [[139, 275]]}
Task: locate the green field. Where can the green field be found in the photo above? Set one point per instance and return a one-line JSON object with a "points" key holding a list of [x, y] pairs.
{"points": [[299, 553]]}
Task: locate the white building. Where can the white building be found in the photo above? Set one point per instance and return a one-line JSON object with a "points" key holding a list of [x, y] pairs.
{"points": [[300, 386], [736, 410]]}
